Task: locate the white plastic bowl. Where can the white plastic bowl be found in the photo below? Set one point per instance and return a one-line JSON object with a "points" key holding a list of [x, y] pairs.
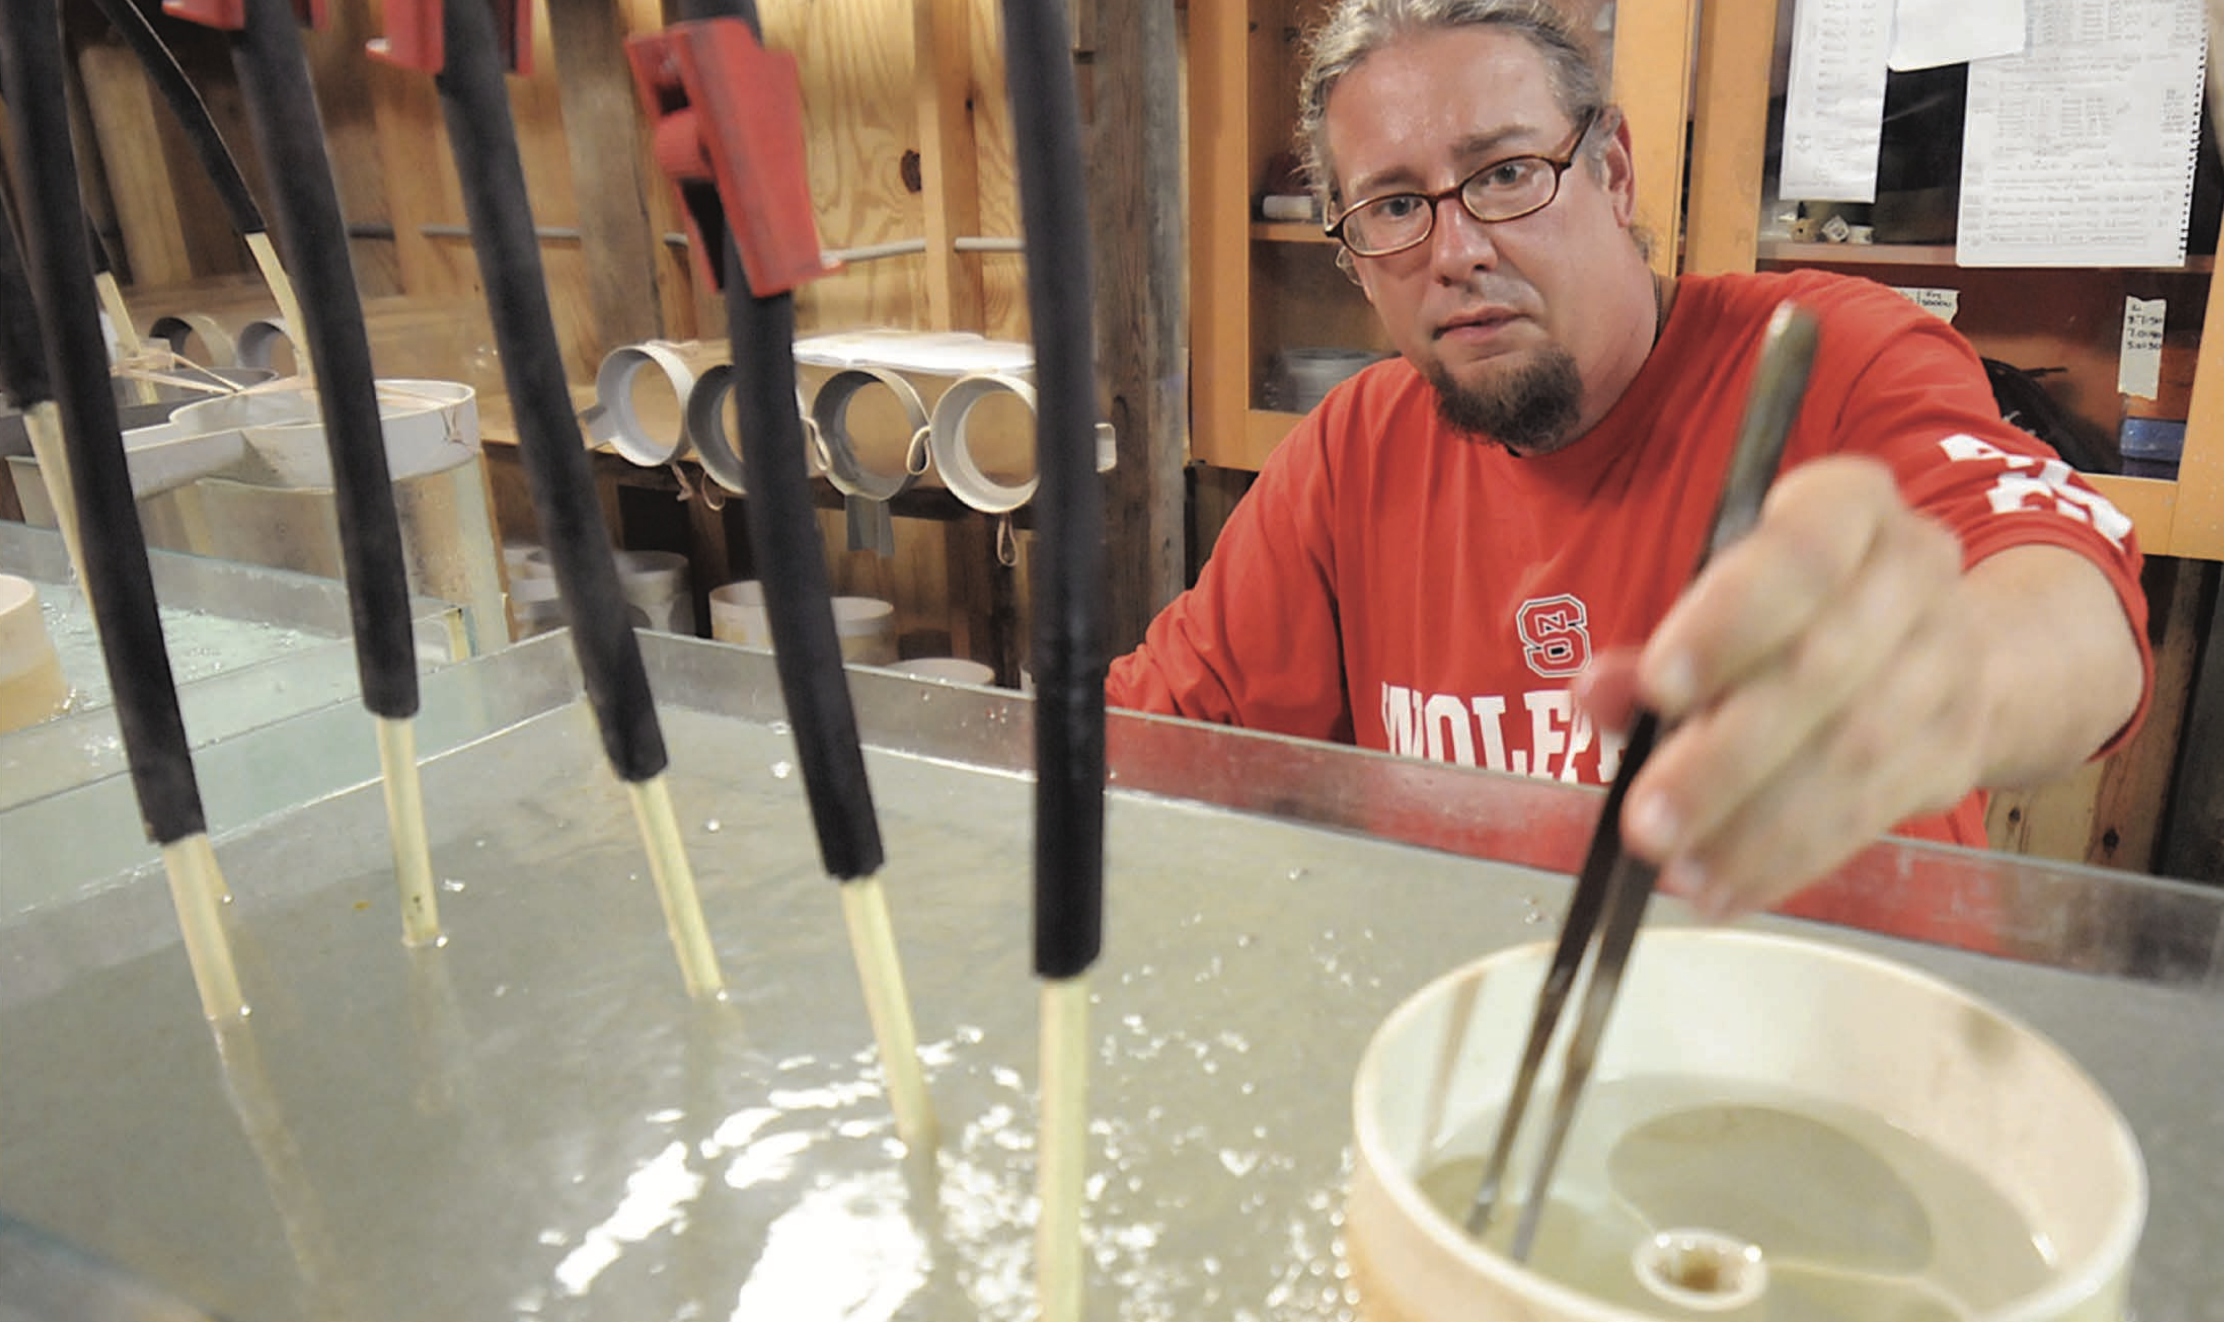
{"points": [[1775, 1012]]}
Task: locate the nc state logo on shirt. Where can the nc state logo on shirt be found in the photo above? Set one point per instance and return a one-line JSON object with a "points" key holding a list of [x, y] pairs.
{"points": [[1555, 635]]}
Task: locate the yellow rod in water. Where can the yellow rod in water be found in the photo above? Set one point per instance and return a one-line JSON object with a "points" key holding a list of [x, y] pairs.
{"points": [[262, 1120], [1061, 1153], [872, 940], [44, 423], [405, 827], [675, 885], [197, 889]]}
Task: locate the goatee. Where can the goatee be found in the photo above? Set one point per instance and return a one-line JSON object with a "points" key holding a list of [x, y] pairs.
{"points": [[1529, 408]]}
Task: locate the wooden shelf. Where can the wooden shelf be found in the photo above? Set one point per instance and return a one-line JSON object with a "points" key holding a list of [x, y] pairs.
{"points": [[1925, 254], [2150, 503], [1289, 231], [1263, 429]]}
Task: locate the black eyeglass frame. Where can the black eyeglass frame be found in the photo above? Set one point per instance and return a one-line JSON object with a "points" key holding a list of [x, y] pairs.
{"points": [[1592, 118]]}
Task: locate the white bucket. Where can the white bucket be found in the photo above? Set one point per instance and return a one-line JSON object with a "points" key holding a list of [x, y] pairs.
{"points": [[31, 684], [535, 604], [737, 614], [654, 584], [866, 627], [955, 669], [1850, 1039]]}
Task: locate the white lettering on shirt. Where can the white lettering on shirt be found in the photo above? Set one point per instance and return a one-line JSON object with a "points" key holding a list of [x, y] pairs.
{"points": [[1537, 733], [1548, 716], [1401, 720], [1489, 711], [1451, 736], [2019, 488]]}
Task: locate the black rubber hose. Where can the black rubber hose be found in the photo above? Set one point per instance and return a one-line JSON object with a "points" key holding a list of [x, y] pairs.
{"points": [[1069, 583], [289, 133], [22, 348], [192, 112], [476, 104], [791, 557], [117, 578]]}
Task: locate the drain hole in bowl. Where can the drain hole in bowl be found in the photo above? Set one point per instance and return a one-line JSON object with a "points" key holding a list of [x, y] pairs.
{"points": [[1701, 1269]]}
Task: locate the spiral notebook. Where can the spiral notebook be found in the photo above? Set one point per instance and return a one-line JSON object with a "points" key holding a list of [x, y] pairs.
{"points": [[2080, 150]]}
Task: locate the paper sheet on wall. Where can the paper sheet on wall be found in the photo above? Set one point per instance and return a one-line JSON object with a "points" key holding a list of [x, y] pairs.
{"points": [[2080, 151], [1834, 100], [1929, 33]]}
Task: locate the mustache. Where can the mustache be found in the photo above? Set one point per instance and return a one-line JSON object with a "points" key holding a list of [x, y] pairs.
{"points": [[1488, 292]]}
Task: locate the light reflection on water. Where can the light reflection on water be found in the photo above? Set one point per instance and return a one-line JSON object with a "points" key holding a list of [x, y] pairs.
{"points": [[656, 1196], [859, 1225], [534, 1121]]}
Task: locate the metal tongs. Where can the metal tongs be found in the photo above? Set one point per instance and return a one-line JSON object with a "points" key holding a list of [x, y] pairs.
{"points": [[1611, 891]]}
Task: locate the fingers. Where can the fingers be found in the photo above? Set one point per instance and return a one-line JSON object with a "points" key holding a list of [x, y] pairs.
{"points": [[1863, 776], [1607, 690], [1815, 533], [1804, 677]]}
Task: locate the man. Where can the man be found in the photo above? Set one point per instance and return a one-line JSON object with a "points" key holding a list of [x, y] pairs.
{"points": [[1480, 551]]}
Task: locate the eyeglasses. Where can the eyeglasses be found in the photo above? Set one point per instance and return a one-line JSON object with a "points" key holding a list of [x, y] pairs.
{"points": [[1505, 189]]}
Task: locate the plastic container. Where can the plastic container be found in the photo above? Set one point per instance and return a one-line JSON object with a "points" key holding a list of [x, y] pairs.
{"points": [[657, 590], [525, 560], [2151, 447], [31, 685], [1307, 375], [654, 583], [737, 614], [536, 607], [1817, 1029], [955, 669], [865, 626]]}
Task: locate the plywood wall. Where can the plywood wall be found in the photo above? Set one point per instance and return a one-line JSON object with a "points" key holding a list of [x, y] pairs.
{"points": [[907, 134], [862, 70]]}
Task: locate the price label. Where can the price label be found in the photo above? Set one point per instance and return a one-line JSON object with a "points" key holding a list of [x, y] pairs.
{"points": [[1940, 303]]}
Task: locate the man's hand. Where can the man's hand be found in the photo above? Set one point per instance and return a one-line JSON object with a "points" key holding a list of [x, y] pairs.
{"points": [[1836, 672]]}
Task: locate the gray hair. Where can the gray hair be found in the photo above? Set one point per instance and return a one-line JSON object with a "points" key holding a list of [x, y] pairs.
{"points": [[1356, 29]]}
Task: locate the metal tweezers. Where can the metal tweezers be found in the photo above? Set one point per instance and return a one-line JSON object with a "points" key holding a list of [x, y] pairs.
{"points": [[1612, 889]]}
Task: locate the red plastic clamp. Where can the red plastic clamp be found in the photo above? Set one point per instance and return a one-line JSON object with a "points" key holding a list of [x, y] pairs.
{"points": [[414, 38], [231, 15], [728, 124]]}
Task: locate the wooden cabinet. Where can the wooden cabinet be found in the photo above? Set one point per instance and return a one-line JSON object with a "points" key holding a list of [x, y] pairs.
{"points": [[1259, 288], [2055, 317]]}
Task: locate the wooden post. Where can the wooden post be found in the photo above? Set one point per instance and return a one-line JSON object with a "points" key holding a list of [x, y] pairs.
{"points": [[942, 87], [1729, 135], [602, 129], [348, 106], [123, 114], [1220, 231], [1135, 199], [2194, 848], [1652, 43]]}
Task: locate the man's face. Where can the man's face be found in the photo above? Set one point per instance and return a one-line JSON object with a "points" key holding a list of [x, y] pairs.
{"points": [[1524, 326]]}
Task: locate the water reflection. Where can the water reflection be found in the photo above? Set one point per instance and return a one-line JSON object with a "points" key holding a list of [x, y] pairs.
{"points": [[846, 1253], [656, 1196]]}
